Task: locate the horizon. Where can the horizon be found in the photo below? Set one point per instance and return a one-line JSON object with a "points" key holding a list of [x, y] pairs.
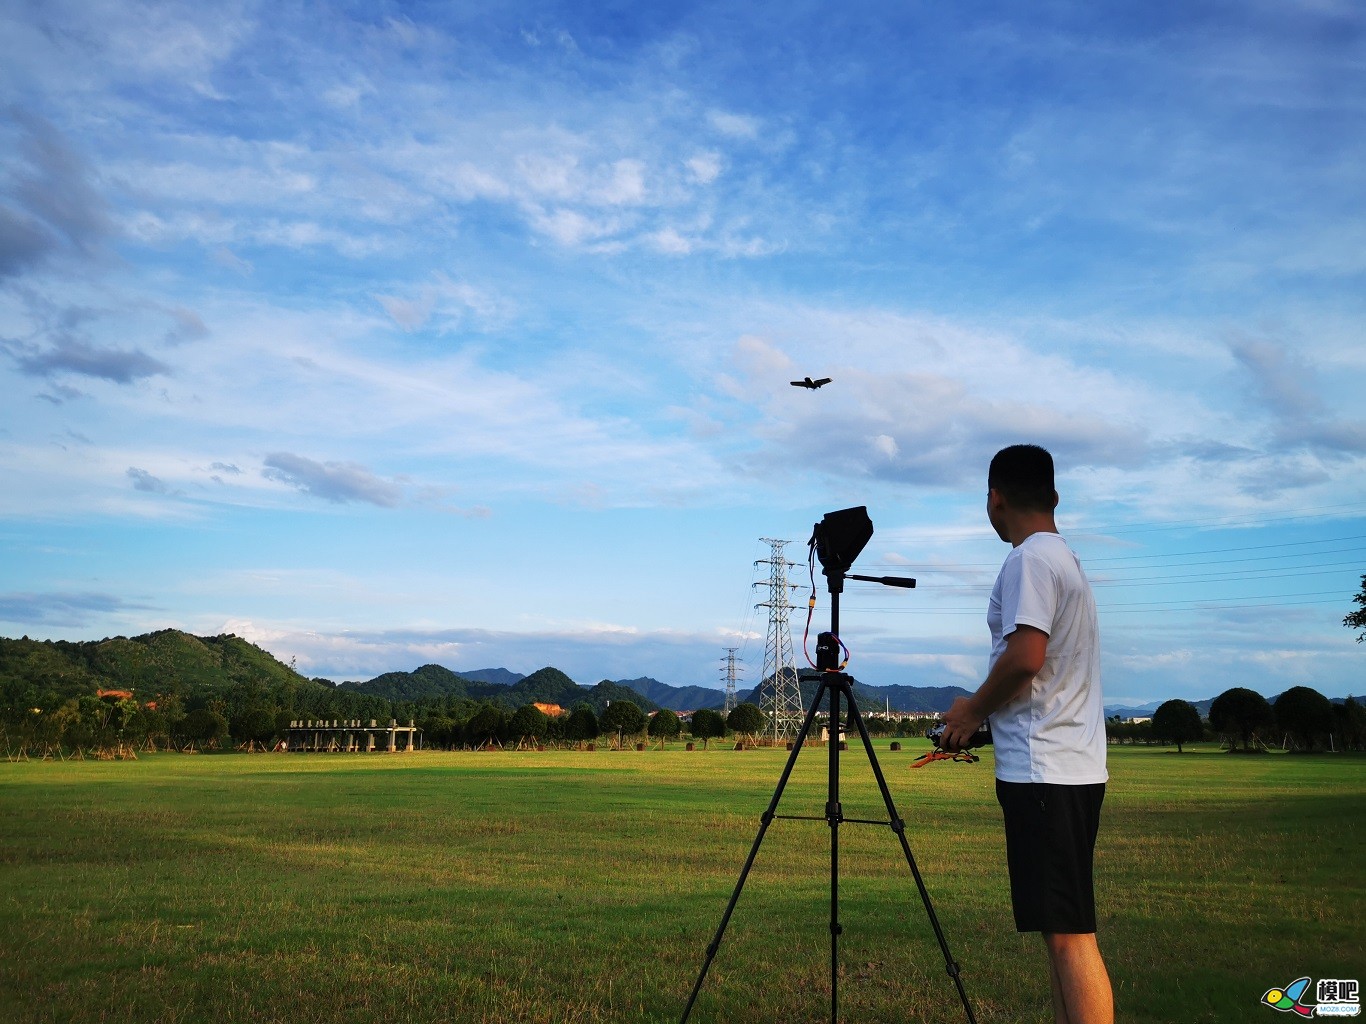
{"points": [[400, 336]]}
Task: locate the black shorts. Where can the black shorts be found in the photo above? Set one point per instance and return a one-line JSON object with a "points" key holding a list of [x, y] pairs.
{"points": [[1050, 840]]}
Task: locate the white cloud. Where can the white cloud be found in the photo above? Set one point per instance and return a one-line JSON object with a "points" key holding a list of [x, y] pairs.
{"points": [[739, 126], [571, 228], [347, 95], [758, 357], [705, 167], [670, 242], [626, 186], [886, 446]]}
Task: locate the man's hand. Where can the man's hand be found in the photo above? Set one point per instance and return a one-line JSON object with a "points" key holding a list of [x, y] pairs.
{"points": [[1015, 669], [960, 722]]}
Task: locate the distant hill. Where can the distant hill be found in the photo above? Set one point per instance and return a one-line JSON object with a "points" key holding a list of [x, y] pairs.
{"points": [[162, 663], [501, 676], [917, 698], [874, 698], [676, 698], [606, 691], [546, 686], [870, 698], [420, 684]]}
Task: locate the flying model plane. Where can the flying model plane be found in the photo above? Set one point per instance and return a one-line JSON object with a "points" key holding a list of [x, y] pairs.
{"points": [[807, 382]]}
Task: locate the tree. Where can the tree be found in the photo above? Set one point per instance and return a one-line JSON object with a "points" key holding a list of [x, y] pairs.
{"points": [[1357, 619], [1177, 722], [485, 725], [254, 724], [707, 725], [64, 725], [1305, 714], [746, 719], [665, 725], [582, 725], [529, 720], [1242, 713], [624, 718], [205, 726], [438, 731], [1349, 722]]}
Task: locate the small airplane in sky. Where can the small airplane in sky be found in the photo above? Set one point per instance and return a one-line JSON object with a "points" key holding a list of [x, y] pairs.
{"points": [[807, 382]]}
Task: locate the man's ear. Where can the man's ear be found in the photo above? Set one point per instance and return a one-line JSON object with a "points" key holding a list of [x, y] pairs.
{"points": [[1055, 500]]}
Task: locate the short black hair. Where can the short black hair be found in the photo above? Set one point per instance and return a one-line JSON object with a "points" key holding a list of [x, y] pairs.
{"points": [[1023, 473]]}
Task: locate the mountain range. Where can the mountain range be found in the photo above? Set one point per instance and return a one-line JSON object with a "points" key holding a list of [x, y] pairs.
{"points": [[171, 661], [656, 694], [546, 686]]}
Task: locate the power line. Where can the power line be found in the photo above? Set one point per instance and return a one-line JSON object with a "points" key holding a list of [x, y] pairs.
{"points": [[1194, 604], [1235, 576], [1094, 563], [1246, 519]]}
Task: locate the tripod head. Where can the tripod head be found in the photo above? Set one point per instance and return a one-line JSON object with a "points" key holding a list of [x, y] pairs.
{"points": [[837, 540]]}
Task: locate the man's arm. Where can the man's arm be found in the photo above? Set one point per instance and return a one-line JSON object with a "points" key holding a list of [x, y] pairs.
{"points": [[1014, 670]]}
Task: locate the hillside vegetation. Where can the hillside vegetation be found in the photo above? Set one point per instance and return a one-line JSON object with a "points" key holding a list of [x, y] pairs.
{"points": [[174, 687]]}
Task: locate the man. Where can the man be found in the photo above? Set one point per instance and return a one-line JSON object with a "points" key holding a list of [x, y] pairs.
{"points": [[1042, 693]]}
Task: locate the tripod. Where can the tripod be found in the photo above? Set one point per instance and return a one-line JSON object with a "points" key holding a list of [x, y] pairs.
{"points": [[836, 686]]}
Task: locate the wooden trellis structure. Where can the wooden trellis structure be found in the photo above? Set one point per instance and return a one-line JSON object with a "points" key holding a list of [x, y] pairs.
{"points": [[352, 736]]}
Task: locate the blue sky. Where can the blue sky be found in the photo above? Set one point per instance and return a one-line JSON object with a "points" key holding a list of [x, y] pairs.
{"points": [[382, 334]]}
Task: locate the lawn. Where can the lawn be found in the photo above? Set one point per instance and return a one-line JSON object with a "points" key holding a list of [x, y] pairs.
{"points": [[567, 886]]}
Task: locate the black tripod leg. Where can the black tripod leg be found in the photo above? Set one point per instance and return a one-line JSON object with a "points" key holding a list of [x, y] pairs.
{"points": [[764, 822], [834, 814], [899, 827]]}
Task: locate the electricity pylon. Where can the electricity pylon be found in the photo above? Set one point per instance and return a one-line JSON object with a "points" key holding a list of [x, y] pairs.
{"points": [[781, 693], [729, 674]]}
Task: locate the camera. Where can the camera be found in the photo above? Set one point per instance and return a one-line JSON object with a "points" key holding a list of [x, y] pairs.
{"points": [[981, 738]]}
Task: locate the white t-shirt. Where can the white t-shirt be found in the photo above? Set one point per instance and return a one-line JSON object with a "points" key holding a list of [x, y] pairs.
{"points": [[1054, 732]]}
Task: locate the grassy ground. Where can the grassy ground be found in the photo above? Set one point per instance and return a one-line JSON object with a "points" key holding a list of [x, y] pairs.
{"points": [[584, 887]]}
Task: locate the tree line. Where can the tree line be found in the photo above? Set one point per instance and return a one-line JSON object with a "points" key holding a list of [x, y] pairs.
{"points": [[1301, 718], [255, 712]]}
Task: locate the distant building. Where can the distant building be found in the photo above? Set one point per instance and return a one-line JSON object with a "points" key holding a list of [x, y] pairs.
{"points": [[553, 710], [904, 716]]}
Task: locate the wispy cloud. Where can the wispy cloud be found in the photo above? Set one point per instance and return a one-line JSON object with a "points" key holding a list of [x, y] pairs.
{"points": [[1288, 388], [50, 204], [65, 609], [145, 481], [71, 355], [338, 482]]}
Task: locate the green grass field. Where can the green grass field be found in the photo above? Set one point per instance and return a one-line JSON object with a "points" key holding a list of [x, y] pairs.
{"points": [[565, 886]]}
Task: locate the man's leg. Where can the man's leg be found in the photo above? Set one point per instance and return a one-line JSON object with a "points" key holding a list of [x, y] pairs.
{"points": [[1080, 984]]}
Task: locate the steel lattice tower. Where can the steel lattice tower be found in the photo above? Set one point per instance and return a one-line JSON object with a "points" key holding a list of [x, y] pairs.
{"points": [[729, 674], [781, 693]]}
